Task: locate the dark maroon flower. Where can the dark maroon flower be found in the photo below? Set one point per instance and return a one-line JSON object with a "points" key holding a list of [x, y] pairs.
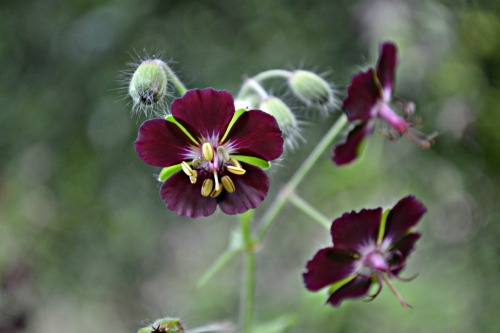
{"points": [[211, 154], [369, 247], [368, 98]]}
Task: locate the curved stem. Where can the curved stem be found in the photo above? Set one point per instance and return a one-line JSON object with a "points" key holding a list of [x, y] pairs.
{"points": [[278, 203], [266, 75], [181, 88], [308, 209]]}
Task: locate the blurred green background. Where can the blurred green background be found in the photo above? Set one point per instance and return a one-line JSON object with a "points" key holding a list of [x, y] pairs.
{"points": [[86, 244]]}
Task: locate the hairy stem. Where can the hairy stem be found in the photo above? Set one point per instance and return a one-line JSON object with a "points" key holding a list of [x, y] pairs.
{"points": [[273, 210], [309, 210], [247, 300], [249, 84], [181, 88]]}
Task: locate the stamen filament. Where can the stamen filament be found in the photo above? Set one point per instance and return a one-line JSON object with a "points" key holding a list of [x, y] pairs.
{"points": [[216, 178], [394, 291]]}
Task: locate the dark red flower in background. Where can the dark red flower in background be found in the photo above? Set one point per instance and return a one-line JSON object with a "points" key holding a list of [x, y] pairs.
{"points": [[368, 98], [212, 155], [369, 247]]}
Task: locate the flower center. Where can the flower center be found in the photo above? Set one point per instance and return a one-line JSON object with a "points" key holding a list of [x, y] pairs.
{"points": [[214, 165], [406, 126], [376, 261]]}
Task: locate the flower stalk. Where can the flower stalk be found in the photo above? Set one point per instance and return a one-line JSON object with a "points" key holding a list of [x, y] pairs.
{"points": [[273, 210], [247, 300]]}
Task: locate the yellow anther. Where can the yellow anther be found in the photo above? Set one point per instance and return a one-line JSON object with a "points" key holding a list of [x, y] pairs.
{"points": [[197, 162], [207, 187], [193, 177], [236, 170], [215, 193], [235, 162], [223, 154], [228, 184], [186, 168], [208, 151]]}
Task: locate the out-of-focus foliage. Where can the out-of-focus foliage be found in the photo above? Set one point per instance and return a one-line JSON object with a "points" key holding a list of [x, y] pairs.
{"points": [[86, 244]]}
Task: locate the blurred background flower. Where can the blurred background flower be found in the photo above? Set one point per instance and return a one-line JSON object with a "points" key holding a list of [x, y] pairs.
{"points": [[85, 242]]}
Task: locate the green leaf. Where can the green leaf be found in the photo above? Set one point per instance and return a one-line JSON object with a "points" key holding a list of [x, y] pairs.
{"points": [[173, 120], [255, 161], [237, 114], [169, 171]]}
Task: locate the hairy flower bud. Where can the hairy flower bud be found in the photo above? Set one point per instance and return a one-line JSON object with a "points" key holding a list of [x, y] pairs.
{"points": [[285, 118], [312, 90], [148, 86], [164, 325]]}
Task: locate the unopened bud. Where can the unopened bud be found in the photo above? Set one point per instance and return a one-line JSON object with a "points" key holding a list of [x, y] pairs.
{"points": [[312, 89], [164, 325], [285, 118], [148, 85]]}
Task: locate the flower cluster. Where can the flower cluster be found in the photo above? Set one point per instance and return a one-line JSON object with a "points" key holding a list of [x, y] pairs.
{"points": [[368, 99], [212, 155], [369, 247]]}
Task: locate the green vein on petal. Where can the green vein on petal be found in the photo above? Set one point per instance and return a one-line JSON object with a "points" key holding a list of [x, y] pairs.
{"points": [[237, 114], [339, 284], [173, 120], [169, 171], [255, 161]]}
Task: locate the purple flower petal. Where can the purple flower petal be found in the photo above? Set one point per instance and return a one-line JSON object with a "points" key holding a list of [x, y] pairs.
{"points": [[251, 189], [348, 151], [185, 198], [356, 288], [328, 266], [403, 248], [257, 134], [161, 143], [362, 96], [354, 231], [204, 112], [402, 217], [386, 66]]}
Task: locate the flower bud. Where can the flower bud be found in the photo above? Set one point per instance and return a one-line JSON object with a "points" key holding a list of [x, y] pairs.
{"points": [[148, 85], [164, 325], [285, 118], [311, 89]]}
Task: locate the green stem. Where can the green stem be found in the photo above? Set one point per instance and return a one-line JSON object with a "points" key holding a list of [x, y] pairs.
{"points": [[181, 88], [309, 210], [278, 203], [266, 75], [247, 301], [221, 261]]}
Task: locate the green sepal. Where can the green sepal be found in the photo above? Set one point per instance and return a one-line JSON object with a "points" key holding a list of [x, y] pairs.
{"points": [[337, 285], [236, 115], [173, 120], [381, 230], [255, 161], [169, 171]]}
